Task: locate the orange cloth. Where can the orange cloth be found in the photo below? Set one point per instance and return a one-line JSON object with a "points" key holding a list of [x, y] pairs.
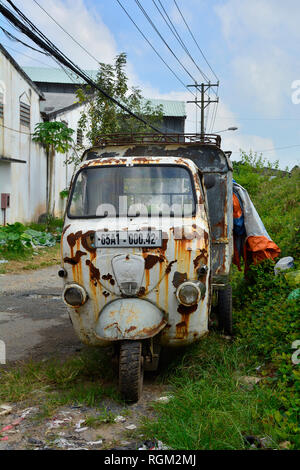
{"points": [[261, 248], [237, 211]]}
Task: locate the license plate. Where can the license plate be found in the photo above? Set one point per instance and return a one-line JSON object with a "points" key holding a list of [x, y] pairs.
{"points": [[129, 238]]}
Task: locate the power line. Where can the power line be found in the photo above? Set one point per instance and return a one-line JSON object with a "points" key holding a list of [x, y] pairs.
{"points": [[163, 40], [70, 36], [273, 149], [185, 22], [177, 35], [25, 55], [14, 38], [151, 45], [42, 41]]}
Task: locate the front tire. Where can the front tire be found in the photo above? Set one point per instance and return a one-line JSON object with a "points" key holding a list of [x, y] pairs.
{"points": [[131, 371], [224, 309]]}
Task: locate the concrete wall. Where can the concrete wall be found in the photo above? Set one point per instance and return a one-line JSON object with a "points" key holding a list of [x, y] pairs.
{"points": [[26, 182]]}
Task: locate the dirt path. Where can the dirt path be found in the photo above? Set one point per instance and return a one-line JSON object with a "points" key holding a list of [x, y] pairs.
{"points": [[33, 319]]}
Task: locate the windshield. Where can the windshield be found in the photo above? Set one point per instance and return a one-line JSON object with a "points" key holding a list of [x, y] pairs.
{"points": [[132, 191]]}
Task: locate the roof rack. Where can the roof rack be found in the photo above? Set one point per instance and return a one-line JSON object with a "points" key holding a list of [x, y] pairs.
{"points": [[140, 138]]}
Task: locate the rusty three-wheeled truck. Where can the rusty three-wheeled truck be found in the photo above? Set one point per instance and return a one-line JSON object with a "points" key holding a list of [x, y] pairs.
{"points": [[147, 242]]}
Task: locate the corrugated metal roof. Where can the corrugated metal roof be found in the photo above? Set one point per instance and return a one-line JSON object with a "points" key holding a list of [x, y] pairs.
{"points": [[50, 75], [170, 107]]}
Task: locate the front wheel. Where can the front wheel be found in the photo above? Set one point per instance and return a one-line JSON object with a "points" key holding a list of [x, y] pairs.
{"points": [[224, 309], [131, 370]]}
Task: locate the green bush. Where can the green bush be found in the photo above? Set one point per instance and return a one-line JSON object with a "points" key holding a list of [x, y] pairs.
{"points": [[268, 323], [14, 239]]}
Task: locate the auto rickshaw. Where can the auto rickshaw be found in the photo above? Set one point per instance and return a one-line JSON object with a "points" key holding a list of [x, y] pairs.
{"points": [[146, 244]]}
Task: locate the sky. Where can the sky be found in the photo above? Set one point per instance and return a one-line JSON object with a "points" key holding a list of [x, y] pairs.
{"points": [[251, 46]]}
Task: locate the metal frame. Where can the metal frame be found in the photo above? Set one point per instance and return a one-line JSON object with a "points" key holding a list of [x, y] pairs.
{"points": [[141, 138]]}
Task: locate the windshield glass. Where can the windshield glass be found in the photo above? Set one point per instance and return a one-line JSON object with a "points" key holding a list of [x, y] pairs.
{"points": [[132, 191]]}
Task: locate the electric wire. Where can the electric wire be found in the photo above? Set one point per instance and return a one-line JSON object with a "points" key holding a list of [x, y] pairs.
{"points": [[153, 48], [42, 41], [192, 35]]}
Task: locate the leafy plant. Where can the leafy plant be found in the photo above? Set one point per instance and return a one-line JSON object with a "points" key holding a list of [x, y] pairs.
{"points": [[56, 137], [102, 116], [14, 239], [64, 193]]}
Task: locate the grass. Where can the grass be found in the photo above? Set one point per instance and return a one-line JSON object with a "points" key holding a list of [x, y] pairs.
{"points": [[105, 417], [210, 408], [79, 380], [40, 258]]}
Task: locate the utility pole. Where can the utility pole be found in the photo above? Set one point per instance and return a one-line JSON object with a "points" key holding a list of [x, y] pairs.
{"points": [[203, 88]]}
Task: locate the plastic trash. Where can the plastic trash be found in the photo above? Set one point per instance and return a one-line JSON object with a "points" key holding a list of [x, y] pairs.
{"points": [[293, 278], [5, 409], [119, 419], [78, 427], [153, 445], [131, 427], [95, 443], [283, 264], [165, 399], [3, 261]]}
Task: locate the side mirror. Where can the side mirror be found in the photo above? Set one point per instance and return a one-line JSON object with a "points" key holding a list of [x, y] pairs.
{"points": [[209, 181]]}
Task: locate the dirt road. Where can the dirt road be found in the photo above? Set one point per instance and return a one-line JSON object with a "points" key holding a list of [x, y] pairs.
{"points": [[33, 319]]}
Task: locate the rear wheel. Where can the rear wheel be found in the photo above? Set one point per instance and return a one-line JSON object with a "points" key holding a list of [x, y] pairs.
{"points": [[224, 309], [131, 370]]}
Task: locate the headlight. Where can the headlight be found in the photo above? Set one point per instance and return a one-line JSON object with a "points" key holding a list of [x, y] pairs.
{"points": [[188, 293], [74, 295]]}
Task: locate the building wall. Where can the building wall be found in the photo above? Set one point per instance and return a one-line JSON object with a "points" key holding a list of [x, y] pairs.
{"points": [[63, 172], [26, 182]]}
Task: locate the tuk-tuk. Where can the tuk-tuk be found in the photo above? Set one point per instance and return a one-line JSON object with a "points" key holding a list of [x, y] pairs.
{"points": [[146, 243]]}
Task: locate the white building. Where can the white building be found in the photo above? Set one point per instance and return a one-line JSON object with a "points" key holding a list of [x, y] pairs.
{"points": [[22, 162], [28, 96]]}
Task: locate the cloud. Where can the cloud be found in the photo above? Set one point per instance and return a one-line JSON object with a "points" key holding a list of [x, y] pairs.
{"points": [[85, 24], [262, 36]]}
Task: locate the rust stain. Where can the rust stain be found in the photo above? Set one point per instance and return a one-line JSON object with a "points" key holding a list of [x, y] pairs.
{"points": [[72, 237], [65, 229], [132, 328], [169, 267], [181, 330], [179, 278], [151, 331], [94, 272], [185, 310], [75, 259], [147, 277], [165, 240], [141, 292], [151, 260], [201, 258], [107, 277], [105, 293], [87, 239]]}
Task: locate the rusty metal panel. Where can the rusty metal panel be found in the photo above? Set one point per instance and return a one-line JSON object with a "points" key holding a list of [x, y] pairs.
{"points": [[130, 318]]}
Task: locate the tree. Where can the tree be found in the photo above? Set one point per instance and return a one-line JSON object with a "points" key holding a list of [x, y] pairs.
{"points": [[56, 137], [101, 116]]}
